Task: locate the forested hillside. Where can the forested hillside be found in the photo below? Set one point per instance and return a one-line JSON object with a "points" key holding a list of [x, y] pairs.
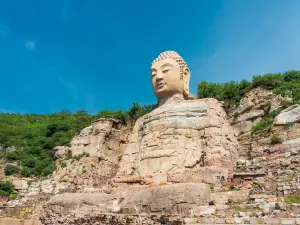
{"points": [[27, 141]]}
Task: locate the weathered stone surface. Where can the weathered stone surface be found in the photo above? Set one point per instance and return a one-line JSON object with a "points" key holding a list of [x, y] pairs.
{"points": [[253, 114], [293, 142], [203, 210], [97, 149], [289, 115], [12, 221], [95, 138], [167, 199], [60, 151], [242, 127], [177, 135], [288, 221], [252, 108], [20, 184], [257, 98], [232, 196], [170, 199]]}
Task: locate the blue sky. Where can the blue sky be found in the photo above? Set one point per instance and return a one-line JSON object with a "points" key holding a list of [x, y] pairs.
{"points": [[93, 55]]}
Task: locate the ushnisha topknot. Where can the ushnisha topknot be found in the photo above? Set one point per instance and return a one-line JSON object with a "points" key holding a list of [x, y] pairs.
{"points": [[175, 56]]}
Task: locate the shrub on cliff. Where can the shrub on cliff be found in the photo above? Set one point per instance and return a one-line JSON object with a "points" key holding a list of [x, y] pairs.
{"points": [[132, 114], [10, 170], [275, 140], [268, 81], [6, 188], [292, 199], [266, 122]]}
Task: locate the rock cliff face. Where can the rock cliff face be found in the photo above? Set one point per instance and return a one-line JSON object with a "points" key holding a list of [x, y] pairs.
{"points": [[253, 107], [91, 159], [93, 156]]}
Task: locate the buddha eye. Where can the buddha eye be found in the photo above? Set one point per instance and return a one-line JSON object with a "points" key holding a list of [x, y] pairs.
{"points": [[153, 74], [165, 70]]}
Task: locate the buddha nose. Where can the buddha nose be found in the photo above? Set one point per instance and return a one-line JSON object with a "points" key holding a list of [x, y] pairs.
{"points": [[159, 76]]}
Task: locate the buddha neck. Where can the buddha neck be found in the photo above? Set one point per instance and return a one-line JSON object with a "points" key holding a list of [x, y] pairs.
{"points": [[171, 99]]}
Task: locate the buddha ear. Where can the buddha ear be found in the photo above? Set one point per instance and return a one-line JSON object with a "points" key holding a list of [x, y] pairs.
{"points": [[186, 80]]}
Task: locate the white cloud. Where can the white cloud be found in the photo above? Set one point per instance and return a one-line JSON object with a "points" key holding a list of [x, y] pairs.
{"points": [[30, 44]]}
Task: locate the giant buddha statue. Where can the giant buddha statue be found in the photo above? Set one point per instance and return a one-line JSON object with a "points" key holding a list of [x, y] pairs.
{"points": [[172, 154], [183, 134]]}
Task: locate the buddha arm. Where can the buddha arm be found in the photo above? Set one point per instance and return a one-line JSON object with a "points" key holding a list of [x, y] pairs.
{"points": [[130, 156]]}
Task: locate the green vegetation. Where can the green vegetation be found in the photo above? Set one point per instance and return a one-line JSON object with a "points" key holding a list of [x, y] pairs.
{"points": [[266, 122], [6, 188], [68, 155], [286, 84], [35, 136], [132, 114], [290, 177], [63, 164], [230, 92], [234, 188], [78, 157], [10, 170], [288, 125], [292, 199], [275, 140], [13, 195]]}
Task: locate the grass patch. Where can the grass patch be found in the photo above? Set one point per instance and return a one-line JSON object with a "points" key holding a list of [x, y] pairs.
{"points": [[62, 164], [289, 177], [292, 199], [275, 140]]}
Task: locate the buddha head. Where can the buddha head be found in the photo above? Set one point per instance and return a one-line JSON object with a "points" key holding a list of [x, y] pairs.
{"points": [[170, 76]]}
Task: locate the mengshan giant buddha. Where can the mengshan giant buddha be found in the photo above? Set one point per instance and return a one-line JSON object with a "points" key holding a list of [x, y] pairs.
{"points": [[183, 135]]}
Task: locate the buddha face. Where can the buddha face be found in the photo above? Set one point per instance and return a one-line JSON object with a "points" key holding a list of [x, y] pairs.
{"points": [[166, 78]]}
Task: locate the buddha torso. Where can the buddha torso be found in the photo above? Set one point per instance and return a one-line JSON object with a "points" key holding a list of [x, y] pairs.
{"points": [[180, 136]]}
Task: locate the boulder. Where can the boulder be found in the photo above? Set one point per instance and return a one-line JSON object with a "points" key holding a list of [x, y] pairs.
{"points": [[60, 151], [20, 184], [86, 131], [289, 115], [242, 127]]}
